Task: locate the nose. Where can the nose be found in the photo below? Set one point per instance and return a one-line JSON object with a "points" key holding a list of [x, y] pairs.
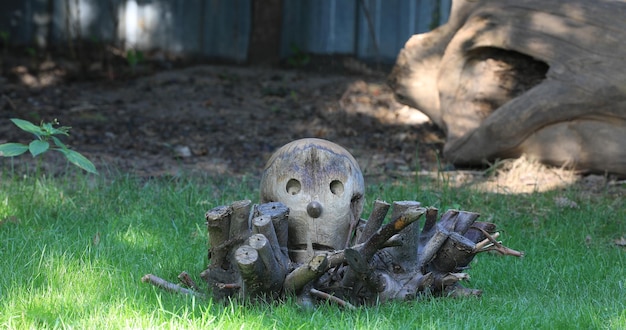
{"points": [[314, 209]]}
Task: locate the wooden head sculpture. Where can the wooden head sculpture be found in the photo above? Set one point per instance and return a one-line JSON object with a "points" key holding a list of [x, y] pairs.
{"points": [[322, 185]]}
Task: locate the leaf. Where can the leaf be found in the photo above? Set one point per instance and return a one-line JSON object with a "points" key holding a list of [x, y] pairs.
{"points": [[12, 149], [38, 147], [27, 126], [49, 128], [58, 142], [79, 160]]}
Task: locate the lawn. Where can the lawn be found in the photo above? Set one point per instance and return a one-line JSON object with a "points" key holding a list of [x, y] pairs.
{"points": [[73, 251]]}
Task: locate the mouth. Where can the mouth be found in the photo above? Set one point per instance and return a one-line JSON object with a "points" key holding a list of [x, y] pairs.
{"points": [[316, 247]]}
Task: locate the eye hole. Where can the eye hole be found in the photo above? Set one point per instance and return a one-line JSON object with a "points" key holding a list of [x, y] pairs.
{"points": [[293, 186], [336, 187]]}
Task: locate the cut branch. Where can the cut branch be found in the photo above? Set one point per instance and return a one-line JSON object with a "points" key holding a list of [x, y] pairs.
{"points": [[187, 281], [274, 274], [379, 238], [332, 298], [375, 220], [301, 276], [251, 268], [168, 286], [498, 247]]}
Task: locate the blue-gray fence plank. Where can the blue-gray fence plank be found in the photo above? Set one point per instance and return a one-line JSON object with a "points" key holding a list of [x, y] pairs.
{"points": [[221, 28]]}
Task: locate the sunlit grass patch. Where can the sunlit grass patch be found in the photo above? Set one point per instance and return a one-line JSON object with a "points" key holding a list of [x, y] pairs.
{"points": [[73, 253]]}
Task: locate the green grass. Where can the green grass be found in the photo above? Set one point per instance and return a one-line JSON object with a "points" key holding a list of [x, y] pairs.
{"points": [[53, 275]]}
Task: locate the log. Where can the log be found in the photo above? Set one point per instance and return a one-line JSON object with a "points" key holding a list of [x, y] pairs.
{"points": [[251, 268], [218, 225], [455, 254], [271, 280], [475, 232], [222, 283], [458, 221], [512, 77], [378, 239], [279, 213], [301, 276], [264, 225], [406, 254], [375, 220], [429, 250], [240, 219]]}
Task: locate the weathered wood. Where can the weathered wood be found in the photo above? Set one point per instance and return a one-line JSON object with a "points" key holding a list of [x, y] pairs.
{"points": [[406, 254], [458, 221], [240, 219], [395, 262], [475, 232], [264, 225], [432, 246], [301, 276], [505, 78], [168, 286], [187, 281], [273, 274], [279, 213], [375, 220], [251, 268], [378, 239], [332, 298], [218, 225], [455, 254]]}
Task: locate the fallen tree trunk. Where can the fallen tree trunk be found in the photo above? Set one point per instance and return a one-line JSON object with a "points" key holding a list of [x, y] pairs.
{"points": [[512, 77]]}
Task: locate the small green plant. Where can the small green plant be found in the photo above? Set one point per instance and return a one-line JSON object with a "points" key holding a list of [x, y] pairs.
{"points": [[133, 58], [4, 37], [44, 133], [32, 52], [298, 58]]}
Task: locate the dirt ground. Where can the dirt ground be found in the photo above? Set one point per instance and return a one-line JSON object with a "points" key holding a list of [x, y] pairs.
{"points": [[220, 120]]}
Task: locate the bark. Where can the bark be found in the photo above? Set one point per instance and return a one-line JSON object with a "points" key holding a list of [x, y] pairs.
{"points": [[406, 254], [375, 220], [279, 213], [218, 223], [302, 275], [168, 286], [264, 225], [252, 270], [273, 273], [240, 219]]}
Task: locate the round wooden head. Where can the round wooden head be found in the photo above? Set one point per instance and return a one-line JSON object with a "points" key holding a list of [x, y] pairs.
{"points": [[322, 185]]}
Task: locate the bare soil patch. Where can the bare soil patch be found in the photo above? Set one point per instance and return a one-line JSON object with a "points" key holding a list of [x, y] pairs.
{"points": [[220, 121]]}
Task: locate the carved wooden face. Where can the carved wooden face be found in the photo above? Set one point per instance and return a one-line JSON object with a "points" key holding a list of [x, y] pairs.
{"points": [[322, 185]]}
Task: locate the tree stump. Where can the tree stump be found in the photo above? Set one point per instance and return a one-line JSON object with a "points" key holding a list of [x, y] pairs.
{"points": [[393, 261]]}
